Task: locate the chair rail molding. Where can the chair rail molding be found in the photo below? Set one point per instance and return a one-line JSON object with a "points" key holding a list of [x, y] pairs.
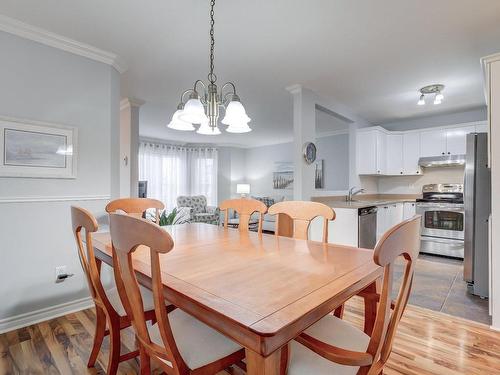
{"points": [[61, 198], [37, 34]]}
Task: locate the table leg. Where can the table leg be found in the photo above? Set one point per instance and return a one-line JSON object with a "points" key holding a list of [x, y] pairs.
{"points": [[259, 365]]}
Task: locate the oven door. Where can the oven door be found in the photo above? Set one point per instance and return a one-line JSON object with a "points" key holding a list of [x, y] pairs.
{"points": [[442, 246], [442, 220]]}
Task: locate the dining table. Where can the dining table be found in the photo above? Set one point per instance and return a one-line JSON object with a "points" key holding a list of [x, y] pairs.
{"points": [[260, 290]]}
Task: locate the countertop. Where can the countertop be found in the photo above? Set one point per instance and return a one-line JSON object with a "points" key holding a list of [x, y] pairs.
{"points": [[362, 201]]}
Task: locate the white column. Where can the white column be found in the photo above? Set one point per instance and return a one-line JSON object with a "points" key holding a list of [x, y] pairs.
{"points": [[304, 130], [129, 146], [492, 65]]}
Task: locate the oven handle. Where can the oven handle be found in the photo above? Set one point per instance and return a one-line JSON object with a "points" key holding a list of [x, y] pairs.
{"points": [[441, 240], [446, 207]]}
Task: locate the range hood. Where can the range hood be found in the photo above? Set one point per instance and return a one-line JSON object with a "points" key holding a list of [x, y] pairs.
{"points": [[442, 161]]}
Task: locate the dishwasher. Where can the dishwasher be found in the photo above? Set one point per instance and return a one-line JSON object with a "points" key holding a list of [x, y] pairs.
{"points": [[367, 227]]}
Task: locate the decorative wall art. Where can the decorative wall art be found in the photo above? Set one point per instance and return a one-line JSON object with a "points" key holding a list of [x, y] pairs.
{"points": [[283, 175], [319, 177], [35, 149]]}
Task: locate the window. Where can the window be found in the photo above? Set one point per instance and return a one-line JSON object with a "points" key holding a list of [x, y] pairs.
{"points": [[174, 170]]}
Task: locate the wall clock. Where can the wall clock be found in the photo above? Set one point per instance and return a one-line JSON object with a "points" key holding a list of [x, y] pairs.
{"points": [[309, 152]]}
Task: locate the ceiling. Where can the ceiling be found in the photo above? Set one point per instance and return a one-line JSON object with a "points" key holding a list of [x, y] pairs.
{"points": [[372, 56]]}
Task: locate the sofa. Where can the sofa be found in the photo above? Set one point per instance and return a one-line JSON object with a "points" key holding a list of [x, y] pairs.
{"points": [[197, 209], [269, 221]]}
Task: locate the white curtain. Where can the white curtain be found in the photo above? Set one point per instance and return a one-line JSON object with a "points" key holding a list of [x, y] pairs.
{"points": [[175, 170]]}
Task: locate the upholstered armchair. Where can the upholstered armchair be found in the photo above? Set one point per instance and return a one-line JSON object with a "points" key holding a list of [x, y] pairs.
{"points": [[198, 210]]}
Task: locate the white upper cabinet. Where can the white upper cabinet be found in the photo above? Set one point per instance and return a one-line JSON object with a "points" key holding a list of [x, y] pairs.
{"points": [[394, 154], [456, 138], [371, 146], [433, 143], [411, 153], [482, 128]]}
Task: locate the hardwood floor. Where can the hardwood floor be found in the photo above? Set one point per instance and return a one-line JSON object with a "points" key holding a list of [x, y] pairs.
{"points": [[427, 342]]}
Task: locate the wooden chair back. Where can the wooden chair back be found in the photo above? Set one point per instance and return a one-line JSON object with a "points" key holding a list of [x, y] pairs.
{"points": [[302, 213], [136, 206], [401, 240], [127, 234], [245, 208], [82, 219]]}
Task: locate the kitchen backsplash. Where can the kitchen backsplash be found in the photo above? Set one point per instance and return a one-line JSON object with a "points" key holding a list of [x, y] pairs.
{"points": [[413, 184]]}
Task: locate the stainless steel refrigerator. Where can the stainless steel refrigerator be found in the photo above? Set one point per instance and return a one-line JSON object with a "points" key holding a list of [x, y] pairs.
{"points": [[477, 202]]}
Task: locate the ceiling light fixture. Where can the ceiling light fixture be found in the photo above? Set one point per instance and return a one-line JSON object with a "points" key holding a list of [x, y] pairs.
{"points": [[205, 109], [436, 90]]}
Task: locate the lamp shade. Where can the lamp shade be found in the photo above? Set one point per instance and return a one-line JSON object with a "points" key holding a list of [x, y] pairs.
{"points": [[205, 129], [239, 128], [193, 112], [243, 188], [235, 114], [179, 124]]}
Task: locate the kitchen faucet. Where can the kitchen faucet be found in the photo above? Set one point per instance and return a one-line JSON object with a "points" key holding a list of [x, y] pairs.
{"points": [[352, 192]]}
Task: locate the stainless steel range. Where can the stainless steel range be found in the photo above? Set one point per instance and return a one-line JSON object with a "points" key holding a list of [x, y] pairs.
{"points": [[442, 210]]}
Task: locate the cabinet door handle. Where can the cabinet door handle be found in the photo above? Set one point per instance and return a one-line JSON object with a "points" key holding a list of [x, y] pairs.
{"points": [[442, 153], [449, 153]]}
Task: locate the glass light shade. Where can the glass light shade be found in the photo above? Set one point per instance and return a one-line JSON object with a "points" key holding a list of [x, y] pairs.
{"points": [[437, 101], [235, 114], [243, 189], [179, 124], [239, 128], [439, 96], [421, 101], [205, 129], [193, 112]]}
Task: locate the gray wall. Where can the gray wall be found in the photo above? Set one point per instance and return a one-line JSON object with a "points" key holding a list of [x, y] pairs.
{"points": [[42, 83], [478, 114], [231, 171], [334, 150]]}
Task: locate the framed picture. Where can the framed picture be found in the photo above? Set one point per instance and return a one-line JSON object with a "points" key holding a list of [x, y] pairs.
{"points": [[319, 177], [35, 149], [283, 175]]}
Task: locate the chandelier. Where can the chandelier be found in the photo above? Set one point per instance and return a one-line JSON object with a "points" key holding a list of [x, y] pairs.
{"points": [[205, 109]]}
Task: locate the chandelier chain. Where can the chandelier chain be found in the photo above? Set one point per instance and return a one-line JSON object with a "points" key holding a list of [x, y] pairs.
{"points": [[211, 76]]}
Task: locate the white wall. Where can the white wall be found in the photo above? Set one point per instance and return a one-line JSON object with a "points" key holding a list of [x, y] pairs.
{"points": [[231, 171], [42, 83], [259, 167], [413, 184]]}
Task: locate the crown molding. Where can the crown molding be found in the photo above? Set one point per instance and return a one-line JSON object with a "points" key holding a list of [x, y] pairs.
{"points": [[37, 34], [294, 89], [130, 102]]}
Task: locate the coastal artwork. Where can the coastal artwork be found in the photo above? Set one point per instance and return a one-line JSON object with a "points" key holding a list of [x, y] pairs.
{"points": [[283, 175], [34, 149], [319, 177], [27, 148]]}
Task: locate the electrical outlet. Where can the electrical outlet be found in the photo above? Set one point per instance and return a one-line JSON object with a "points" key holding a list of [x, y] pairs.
{"points": [[61, 270]]}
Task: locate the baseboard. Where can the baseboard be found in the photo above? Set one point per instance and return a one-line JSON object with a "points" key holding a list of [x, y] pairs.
{"points": [[37, 316]]}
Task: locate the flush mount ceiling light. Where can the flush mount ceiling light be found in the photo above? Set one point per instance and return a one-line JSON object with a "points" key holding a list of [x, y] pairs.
{"points": [[204, 109], [436, 90]]}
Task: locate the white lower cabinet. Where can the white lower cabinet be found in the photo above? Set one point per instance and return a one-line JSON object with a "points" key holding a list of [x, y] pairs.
{"points": [[388, 215], [409, 210]]}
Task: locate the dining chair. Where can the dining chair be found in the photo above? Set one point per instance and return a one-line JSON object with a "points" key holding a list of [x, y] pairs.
{"points": [[334, 346], [245, 208], [301, 213], [109, 310], [180, 343], [136, 206]]}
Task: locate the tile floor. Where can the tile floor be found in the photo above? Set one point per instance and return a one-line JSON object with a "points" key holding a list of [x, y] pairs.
{"points": [[438, 285]]}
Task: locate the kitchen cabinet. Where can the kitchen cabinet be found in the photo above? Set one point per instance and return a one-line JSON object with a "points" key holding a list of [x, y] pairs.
{"points": [[388, 215], [433, 143], [394, 154], [456, 139], [409, 210], [411, 153], [371, 149]]}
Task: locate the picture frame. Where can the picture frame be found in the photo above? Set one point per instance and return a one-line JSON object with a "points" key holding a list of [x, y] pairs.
{"points": [[283, 176], [36, 149]]}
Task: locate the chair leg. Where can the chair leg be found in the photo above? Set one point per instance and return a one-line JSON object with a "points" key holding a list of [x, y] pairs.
{"points": [[339, 312], [100, 328], [114, 347], [145, 362]]}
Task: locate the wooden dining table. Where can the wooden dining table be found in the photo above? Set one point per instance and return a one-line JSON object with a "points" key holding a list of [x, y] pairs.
{"points": [[260, 290]]}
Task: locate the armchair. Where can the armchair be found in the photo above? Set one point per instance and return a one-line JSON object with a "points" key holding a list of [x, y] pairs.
{"points": [[198, 210]]}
